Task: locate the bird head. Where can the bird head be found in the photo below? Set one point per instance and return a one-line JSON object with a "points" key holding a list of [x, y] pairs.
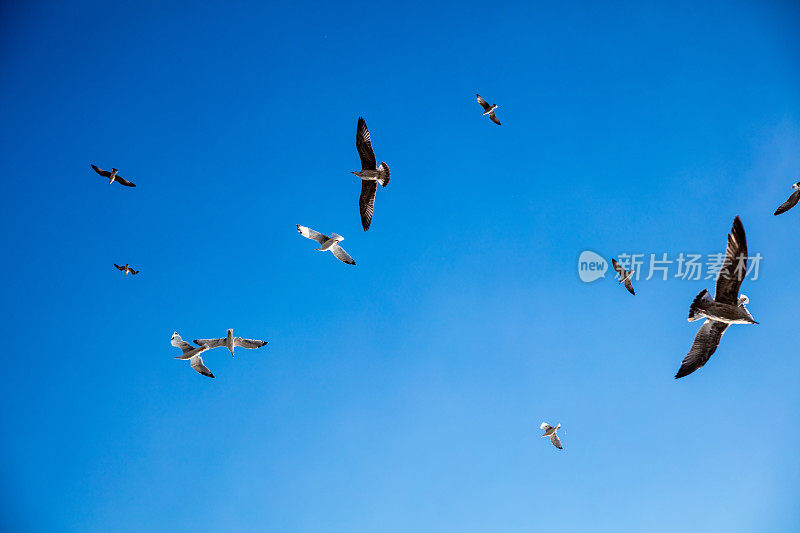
{"points": [[743, 300], [337, 237], [796, 185]]}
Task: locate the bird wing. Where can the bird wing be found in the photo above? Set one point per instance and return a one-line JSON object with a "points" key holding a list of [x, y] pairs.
{"points": [[120, 268], [309, 233], [178, 342], [123, 181], [366, 202], [629, 286], [556, 441], [341, 255], [248, 343], [364, 146], [484, 103], [104, 173], [545, 426], [704, 345], [494, 118], [790, 203], [134, 272], [733, 269], [618, 268], [197, 363], [211, 343]]}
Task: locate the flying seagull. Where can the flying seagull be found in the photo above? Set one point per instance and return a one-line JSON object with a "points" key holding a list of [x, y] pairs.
{"points": [[231, 342], [192, 353], [371, 174], [327, 243], [792, 201], [550, 431], [625, 276], [489, 109], [127, 269], [113, 177], [726, 308]]}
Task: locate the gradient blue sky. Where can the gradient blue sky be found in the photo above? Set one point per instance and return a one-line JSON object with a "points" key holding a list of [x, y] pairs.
{"points": [[403, 394]]}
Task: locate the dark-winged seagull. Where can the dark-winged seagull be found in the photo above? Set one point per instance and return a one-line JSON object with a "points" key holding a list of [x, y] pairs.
{"points": [[550, 431], [192, 353], [792, 201], [624, 276], [371, 173], [112, 177], [726, 308], [231, 342], [127, 269], [488, 109], [327, 243]]}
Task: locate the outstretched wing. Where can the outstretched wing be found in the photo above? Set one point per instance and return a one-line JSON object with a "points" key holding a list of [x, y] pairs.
{"points": [[197, 364], [120, 268], [123, 181], [733, 269], [211, 343], [364, 146], [494, 118], [790, 203], [629, 286], [366, 202], [104, 173], [248, 343], [704, 345], [134, 272], [309, 233], [556, 441], [178, 342], [618, 268], [341, 255], [484, 103]]}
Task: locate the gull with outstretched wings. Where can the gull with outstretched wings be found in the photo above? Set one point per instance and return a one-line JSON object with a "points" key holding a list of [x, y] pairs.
{"points": [[371, 173], [726, 308], [625, 276], [231, 342], [488, 109], [192, 353], [112, 176], [327, 243], [550, 431], [791, 202], [127, 269]]}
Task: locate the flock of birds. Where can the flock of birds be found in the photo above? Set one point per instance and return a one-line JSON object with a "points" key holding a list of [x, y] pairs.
{"points": [[725, 308]]}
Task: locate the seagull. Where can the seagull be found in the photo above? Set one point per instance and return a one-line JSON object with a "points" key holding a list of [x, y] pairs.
{"points": [[231, 342], [327, 243], [726, 308], [489, 109], [192, 353], [550, 431], [371, 173], [127, 269], [792, 201], [624, 276], [113, 177]]}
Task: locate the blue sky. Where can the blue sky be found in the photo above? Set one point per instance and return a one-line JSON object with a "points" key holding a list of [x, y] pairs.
{"points": [[404, 393]]}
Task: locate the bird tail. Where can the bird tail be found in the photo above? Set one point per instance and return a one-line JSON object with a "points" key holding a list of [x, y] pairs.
{"points": [[383, 168], [696, 307]]}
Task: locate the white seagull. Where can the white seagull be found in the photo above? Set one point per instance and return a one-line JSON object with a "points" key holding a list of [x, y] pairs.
{"points": [[192, 353], [327, 243], [112, 176], [791, 202], [488, 109], [625, 276], [127, 269], [231, 342], [550, 431]]}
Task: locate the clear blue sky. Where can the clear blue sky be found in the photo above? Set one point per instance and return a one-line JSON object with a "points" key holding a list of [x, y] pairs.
{"points": [[403, 394]]}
